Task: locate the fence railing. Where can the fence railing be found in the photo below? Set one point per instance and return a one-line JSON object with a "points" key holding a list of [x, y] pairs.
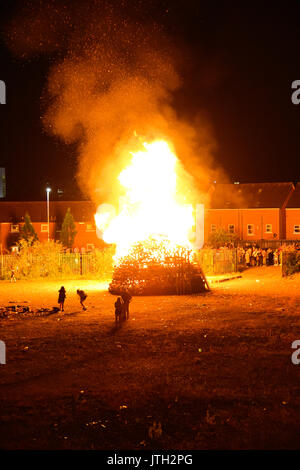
{"points": [[220, 261], [98, 264], [95, 264], [265, 244]]}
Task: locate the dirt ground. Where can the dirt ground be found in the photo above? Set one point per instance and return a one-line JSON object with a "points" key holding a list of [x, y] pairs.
{"points": [[214, 370]]}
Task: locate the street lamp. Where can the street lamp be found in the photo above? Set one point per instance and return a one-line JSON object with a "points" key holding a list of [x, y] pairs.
{"points": [[48, 192]]}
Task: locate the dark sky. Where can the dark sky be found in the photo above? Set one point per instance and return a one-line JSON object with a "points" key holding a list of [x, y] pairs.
{"points": [[240, 63]]}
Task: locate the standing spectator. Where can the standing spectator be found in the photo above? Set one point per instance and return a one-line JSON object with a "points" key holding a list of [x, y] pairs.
{"points": [[254, 255], [126, 297], [241, 255], [61, 298], [260, 258], [279, 256], [248, 257], [270, 257], [12, 275], [276, 258], [82, 296], [118, 309], [264, 256]]}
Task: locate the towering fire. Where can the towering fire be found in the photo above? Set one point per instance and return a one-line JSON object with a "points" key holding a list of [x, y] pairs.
{"points": [[154, 201]]}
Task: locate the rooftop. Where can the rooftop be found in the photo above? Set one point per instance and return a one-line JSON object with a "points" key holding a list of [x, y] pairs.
{"points": [[250, 195], [82, 211]]}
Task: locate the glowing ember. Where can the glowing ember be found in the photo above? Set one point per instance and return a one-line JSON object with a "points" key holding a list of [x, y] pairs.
{"points": [[152, 205]]}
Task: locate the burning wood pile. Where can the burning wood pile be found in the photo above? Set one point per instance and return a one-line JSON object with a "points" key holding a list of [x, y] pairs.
{"points": [[156, 267], [153, 226]]}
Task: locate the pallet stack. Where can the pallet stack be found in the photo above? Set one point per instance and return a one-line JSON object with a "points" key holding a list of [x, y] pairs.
{"points": [[155, 267]]}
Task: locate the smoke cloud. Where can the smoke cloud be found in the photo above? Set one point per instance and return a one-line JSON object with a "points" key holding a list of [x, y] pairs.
{"points": [[111, 83]]}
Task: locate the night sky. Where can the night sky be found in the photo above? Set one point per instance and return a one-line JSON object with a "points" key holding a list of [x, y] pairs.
{"points": [[237, 66]]}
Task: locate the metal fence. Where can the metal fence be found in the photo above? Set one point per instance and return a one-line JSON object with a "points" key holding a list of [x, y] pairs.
{"points": [[265, 244], [59, 265], [219, 261]]}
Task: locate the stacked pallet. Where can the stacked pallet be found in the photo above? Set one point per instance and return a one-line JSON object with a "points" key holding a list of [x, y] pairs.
{"points": [[156, 267]]}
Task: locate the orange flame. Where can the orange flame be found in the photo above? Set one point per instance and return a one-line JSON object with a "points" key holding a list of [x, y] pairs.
{"points": [[153, 204]]}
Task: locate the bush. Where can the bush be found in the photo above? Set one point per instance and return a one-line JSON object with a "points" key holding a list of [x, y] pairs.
{"points": [[37, 259], [27, 231], [102, 262], [290, 262], [49, 260], [221, 238]]}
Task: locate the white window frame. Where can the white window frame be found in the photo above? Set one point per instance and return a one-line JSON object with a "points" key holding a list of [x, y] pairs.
{"points": [[229, 230], [271, 228], [297, 231], [252, 229], [43, 228], [14, 228], [213, 229]]}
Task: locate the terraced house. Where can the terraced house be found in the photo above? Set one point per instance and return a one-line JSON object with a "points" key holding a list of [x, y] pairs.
{"points": [[12, 216], [254, 212]]}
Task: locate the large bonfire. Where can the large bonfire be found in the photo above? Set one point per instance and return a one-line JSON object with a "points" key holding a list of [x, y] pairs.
{"points": [[153, 229]]}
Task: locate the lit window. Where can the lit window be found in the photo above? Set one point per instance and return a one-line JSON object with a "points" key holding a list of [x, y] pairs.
{"points": [[14, 228], [14, 249], [44, 227], [90, 228], [268, 228], [231, 228], [213, 228], [250, 229], [296, 228]]}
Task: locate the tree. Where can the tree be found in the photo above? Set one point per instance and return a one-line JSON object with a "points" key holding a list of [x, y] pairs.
{"points": [[27, 232], [68, 231], [220, 238]]}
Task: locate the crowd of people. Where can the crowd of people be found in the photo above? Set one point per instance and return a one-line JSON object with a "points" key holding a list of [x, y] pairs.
{"points": [[252, 255]]}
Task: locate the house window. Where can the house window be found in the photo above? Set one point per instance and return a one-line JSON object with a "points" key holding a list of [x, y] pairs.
{"points": [[268, 228], [90, 228], [44, 227], [14, 249], [296, 228], [14, 228], [213, 228], [250, 229], [231, 228], [90, 247]]}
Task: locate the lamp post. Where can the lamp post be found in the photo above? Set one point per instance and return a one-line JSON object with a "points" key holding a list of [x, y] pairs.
{"points": [[48, 192]]}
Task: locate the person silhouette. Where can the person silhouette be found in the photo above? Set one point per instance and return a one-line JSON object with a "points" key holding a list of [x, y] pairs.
{"points": [[61, 298], [82, 296]]}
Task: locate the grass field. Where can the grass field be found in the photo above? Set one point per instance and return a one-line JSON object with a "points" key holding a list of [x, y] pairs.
{"points": [[214, 370]]}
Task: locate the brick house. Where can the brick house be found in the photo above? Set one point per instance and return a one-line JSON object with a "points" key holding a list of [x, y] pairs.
{"points": [[256, 211], [253, 211], [12, 219], [293, 215]]}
